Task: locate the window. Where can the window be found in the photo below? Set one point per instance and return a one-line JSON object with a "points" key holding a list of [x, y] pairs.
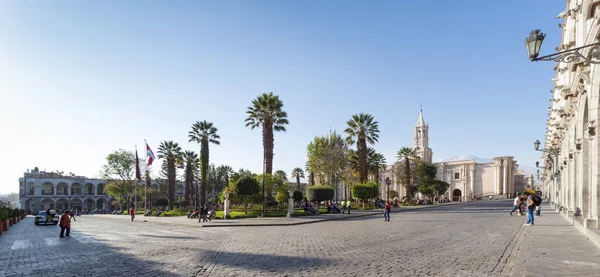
{"points": [[456, 175]]}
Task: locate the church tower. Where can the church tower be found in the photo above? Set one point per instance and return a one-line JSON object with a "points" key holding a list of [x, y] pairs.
{"points": [[421, 140]]}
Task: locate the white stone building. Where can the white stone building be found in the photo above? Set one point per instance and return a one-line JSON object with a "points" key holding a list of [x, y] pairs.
{"points": [[40, 190], [468, 178], [571, 148]]}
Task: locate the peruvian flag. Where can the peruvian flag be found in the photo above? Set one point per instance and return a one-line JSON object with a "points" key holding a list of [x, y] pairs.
{"points": [[150, 154]]}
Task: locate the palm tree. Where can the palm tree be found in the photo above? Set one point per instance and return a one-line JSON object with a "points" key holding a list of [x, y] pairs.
{"points": [[297, 173], [376, 163], [170, 151], [406, 154], [191, 165], [266, 111], [225, 171], [311, 174], [281, 174], [204, 132], [362, 129]]}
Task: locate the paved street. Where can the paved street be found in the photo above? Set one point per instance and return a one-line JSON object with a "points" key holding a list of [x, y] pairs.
{"points": [[457, 240]]}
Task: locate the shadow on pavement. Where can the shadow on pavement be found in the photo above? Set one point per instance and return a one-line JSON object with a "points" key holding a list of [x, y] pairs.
{"points": [[261, 262], [28, 250], [168, 237]]}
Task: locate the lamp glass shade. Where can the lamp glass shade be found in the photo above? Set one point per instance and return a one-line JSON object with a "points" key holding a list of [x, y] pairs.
{"points": [[534, 43], [537, 164], [536, 144]]}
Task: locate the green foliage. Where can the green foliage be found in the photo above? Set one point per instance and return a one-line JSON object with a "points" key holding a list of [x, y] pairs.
{"points": [[424, 176], [327, 158], [297, 196], [393, 194], [272, 183], [282, 196], [204, 132], [440, 187], [362, 129], [297, 173], [161, 202], [319, 193], [6, 213], [365, 191], [246, 185]]}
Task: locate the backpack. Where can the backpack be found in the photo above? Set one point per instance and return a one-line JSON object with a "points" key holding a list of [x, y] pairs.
{"points": [[537, 200]]}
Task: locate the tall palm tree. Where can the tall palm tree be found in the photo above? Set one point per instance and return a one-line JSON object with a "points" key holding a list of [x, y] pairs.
{"points": [[281, 174], [362, 129], [311, 174], [191, 164], [171, 152], [406, 154], [225, 172], [266, 111], [376, 163], [297, 173], [204, 132]]}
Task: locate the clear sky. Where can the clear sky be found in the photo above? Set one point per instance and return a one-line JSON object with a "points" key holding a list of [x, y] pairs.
{"points": [[79, 79]]}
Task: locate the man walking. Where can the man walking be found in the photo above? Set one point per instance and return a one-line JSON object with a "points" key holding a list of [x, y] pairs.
{"points": [[530, 209], [65, 223], [72, 216], [343, 207], [516, 205], [132, 213], [386, 211]]}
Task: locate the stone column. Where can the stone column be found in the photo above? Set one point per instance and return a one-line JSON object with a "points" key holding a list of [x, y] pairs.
{"points": [[504, 184], [572, 192], [290, 204], [472, 173], [227, 207], [495, 178], [594, 207], [54, 187]]}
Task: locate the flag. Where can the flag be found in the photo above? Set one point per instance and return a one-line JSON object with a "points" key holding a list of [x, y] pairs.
{"points": [[150, 154], [137, 166]]}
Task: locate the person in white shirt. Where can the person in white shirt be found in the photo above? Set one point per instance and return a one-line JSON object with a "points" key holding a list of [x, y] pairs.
{"points": [[516, 205]]}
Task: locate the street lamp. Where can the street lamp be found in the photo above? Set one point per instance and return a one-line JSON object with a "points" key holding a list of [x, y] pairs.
{"points": [[388, 182], [536, 145], [537, 164], [534, 43]]}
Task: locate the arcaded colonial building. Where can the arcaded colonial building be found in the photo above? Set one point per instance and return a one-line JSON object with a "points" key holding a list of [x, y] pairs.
{"points": [[571, 149], [468, 178], [40, 190]]}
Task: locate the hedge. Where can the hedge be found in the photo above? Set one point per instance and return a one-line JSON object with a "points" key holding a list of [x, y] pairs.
{"points": [[319, 193]]}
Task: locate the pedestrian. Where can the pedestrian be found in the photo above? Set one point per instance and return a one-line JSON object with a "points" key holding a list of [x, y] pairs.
{"points": [[538, 210], [343, 207], [530, 209], [516, 205], [386, 211], [132, 213], [348, 205], [72, 216], [65, 223], [48, 216]]}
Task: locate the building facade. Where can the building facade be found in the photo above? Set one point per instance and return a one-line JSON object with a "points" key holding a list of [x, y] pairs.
{"points": [[571, 151], [468, 179], [40, 190]]}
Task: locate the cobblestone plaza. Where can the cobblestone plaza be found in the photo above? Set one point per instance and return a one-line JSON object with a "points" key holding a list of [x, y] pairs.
{"points": [[471, 239]]}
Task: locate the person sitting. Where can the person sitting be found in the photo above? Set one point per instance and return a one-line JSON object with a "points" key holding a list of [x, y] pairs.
{"points": [[158, 212], [148, 212]]}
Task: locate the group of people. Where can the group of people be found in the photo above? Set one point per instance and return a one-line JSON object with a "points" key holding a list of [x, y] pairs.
{"points": [[528, 203], [205, 213]]}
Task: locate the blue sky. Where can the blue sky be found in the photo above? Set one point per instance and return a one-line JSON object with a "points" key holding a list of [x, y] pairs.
{"points": [[79, 79]]}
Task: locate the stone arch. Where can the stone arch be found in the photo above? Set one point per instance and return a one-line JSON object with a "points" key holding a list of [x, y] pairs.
{"points": [[88, 189], [62, 204], [76, 204], [102, 203], [89, 203], [62, 189], [30, 188], [100, 189], [48, 203], [456, 195], [76, 189], [47, 188]]}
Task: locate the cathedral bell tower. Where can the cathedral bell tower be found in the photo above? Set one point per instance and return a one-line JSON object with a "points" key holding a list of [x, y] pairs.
{"points": [[421, 140]]}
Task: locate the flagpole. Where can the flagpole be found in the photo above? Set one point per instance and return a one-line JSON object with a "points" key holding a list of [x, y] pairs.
{"points": [[136, 183], [146, 180]]}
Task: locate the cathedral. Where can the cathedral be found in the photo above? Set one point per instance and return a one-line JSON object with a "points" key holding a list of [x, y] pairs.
{"points": [[469, 179]]}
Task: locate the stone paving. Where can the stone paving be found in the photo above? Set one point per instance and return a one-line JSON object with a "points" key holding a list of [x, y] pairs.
{"points": [[459, 240], [553, 247]]}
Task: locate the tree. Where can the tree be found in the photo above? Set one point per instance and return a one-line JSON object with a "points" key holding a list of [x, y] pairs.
{"points": [[311, 175], [171, 152], [407, 154], [246, 186], [376, 163], [297, 196], [281, 174], [266, 111], [362, 129], [393, 194], [297, 173], [424, 177], [365, 191], [225, 172], [120, 167], [191, 168], [119, 190], [241, 173], [319, 193], [204, 132], [327, 158]]}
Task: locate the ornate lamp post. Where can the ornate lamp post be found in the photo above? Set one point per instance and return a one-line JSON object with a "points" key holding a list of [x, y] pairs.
{"points": [[534, 43], [388, 182]]}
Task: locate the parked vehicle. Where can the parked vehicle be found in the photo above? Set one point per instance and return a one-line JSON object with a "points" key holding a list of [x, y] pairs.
{"points": [[40, 218]]}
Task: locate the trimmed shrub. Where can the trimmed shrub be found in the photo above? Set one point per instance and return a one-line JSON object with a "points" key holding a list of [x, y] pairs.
{"points": [[319, 193], [297, 196], [161, 202], [365, 191]]}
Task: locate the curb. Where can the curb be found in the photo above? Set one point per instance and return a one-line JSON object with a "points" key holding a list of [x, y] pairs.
{"points": [[326, 219]]}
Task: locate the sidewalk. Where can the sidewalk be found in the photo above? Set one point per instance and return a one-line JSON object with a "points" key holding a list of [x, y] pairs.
{"points": [[552, 247], [267, 221]]}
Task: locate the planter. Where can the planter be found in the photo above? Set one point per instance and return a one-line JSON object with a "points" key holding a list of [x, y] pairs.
{"points": [[1, 227], [10, 222], [18, 219], [5, 225]]}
